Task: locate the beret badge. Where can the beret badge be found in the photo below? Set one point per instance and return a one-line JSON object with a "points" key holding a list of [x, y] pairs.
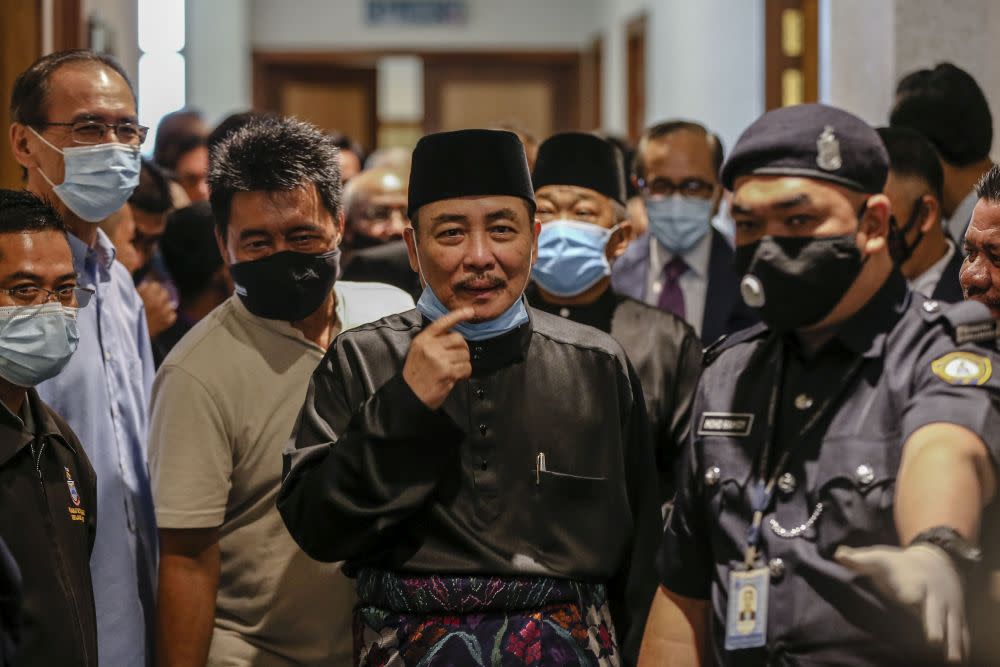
{"points": [[828, 151]]}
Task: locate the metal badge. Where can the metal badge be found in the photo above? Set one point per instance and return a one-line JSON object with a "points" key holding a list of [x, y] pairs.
{"points": [[787, 483], [864, 474], [828, 151], [752, 291]]}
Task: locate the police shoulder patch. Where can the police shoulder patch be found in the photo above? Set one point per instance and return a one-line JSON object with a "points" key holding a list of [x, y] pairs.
{"points": [[963, 368]]}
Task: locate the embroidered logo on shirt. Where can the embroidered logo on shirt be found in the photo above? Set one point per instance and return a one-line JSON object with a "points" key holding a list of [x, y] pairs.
{"points": [[737, 424], [73, 493], [962, 368]]}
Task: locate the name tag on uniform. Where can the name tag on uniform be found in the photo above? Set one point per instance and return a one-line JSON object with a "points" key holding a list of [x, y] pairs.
{"points": [[725, 423], [746, 616]]}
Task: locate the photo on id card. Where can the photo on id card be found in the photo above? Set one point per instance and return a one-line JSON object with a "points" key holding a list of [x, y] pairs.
{"points": [[746, 615]]}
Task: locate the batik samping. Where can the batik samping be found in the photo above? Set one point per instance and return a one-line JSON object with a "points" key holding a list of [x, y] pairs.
{"points": [[438, 621]]}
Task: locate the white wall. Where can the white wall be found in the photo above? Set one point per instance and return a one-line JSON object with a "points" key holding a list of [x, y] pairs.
{"points": [[218, 57], [857, 56], [704, 61], [121, 17], [340, 24]]}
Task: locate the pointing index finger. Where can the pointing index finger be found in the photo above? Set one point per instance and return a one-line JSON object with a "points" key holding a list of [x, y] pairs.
{"points": [[446, 322]]}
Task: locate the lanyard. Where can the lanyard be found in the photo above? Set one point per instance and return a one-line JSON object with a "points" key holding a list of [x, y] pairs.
{"points": [[762, 490]]}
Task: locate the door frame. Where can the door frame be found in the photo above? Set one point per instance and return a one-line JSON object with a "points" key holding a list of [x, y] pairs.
{"points": [[266, 63]]}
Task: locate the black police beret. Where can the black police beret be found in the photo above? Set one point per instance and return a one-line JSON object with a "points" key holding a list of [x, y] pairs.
{"points": [[467, 163], [813, 141], [583, 160]]}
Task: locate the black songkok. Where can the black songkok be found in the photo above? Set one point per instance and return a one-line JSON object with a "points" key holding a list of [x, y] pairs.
{"points": [[468, 163], [583, 160]]}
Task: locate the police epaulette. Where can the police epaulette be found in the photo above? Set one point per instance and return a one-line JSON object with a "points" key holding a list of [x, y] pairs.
{"points": [[724, 342], [969, 321], [978, 332]]}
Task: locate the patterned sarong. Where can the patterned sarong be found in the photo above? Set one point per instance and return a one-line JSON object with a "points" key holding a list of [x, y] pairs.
{"points": [[437, 621]]}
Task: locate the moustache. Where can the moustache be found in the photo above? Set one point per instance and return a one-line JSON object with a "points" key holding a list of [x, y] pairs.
{"points": [[481, 282]]}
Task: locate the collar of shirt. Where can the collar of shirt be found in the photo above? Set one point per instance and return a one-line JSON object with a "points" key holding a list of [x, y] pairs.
{"points": [[87, 260], [504, 350], [596, 314], [17, 431], [960, 218], [928, 280], [866, 331], [696, 258], [280, 327]]}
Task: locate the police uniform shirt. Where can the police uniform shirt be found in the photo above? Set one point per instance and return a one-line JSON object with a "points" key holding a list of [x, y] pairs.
{"points": [[666, 354], [843, 415], [379, 480]]}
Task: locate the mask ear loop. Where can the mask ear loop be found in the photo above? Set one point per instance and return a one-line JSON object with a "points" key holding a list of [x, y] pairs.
{"points": [[57, 150]]}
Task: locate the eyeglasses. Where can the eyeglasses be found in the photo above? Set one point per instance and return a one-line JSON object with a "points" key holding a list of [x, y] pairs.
{"points": [[383, 213], [93, 131], [661, 187], [32, 295]]}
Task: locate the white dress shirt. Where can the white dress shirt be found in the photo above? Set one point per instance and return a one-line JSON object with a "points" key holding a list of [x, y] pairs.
{"points": [[927, 281], [960, 219], [693, 282]]}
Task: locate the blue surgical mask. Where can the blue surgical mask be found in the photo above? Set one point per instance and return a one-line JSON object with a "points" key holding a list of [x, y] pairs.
{"points": [[431, 307], [36, 342], [679, 222], [97, 180], [572, 257]]}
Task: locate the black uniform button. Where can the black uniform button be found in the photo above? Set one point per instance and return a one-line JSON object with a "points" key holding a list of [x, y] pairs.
{"points": [[480, 393], [483, 464], [482, 429]]}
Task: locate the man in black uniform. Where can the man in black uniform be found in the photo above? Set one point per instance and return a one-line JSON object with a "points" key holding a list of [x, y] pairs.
{"points": [[48, 490], [580, 189], [484, 468], [857, 420]]}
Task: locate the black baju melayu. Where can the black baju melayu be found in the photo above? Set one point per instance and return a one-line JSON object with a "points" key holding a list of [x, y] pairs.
{"points": [[535, 478]]}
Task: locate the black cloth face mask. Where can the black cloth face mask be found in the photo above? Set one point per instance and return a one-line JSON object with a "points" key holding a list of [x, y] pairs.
{"points": [[794, 282], [899, 249], [287, 285]]}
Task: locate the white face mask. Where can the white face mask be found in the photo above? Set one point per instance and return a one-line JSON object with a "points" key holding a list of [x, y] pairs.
{"points": [[97, 180]]}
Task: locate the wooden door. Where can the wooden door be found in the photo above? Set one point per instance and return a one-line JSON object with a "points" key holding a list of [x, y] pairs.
{"points": [[20, 45], [537, 92], [334, 97]]}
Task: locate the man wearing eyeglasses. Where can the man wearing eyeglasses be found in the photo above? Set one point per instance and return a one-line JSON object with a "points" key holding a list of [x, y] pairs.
{"points": [[76, 133], [681, 264], [47, 485]]}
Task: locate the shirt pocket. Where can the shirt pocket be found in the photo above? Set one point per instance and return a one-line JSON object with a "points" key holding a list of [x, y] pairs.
{"points": [[855, 479], [584, 520]]}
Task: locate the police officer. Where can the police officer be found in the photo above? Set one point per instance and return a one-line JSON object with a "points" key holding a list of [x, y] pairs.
{"points": [[840, 452]]}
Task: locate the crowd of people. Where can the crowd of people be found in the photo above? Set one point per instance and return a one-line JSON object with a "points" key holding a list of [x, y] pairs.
{"points": [[498, 401]]}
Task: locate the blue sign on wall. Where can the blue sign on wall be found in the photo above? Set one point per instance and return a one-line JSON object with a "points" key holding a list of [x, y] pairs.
{"points": [[417, 12]]}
